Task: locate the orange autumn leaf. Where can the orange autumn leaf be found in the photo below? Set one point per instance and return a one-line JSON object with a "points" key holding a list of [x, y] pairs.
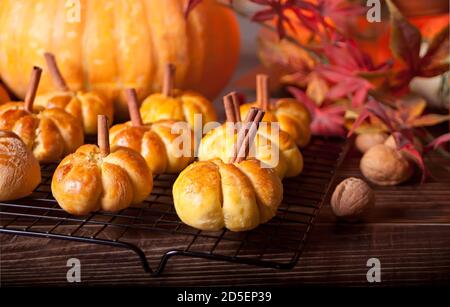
{"points": [[429, 120], [317, 88]]}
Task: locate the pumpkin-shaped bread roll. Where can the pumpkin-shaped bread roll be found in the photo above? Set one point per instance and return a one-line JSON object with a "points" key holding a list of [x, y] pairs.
{"points": [[274, 148], [19, 169], [176, 105], [167, 146], [50, 133], [210, 195], [239, 195], [292, 116], [4, 97], [83, 105], [93, 178]]}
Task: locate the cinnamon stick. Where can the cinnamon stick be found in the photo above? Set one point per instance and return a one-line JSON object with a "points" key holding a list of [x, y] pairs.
{"points": [[243, 132], [249, 137], [236, 106], [133, 107], [55, 73], [103, 135], [262, 91], [229, 108], [168, 82], [32, 88]]}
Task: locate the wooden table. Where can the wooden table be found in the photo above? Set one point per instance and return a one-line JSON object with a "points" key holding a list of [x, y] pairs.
{"points": [[408, 231]]}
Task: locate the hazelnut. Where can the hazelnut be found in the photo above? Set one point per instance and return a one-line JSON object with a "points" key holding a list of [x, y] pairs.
{"points": [[351, 199], [365, 141], [384, 165]]}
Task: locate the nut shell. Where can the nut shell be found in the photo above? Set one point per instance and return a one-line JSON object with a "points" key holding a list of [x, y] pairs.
{"points": [[365, 141], [351, 199], [385, 166]]}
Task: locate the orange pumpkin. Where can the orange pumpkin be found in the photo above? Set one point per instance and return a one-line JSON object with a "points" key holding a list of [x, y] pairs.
{"points": [[119, 44], [4, 97]]}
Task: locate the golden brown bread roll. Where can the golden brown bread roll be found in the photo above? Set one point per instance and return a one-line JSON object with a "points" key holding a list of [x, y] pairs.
{"points": [[50, 133], [158, 143], [210, 195], [239, 195], [176, 105], [292, 116], [94, 179], [19, 169], [273, 147], [218, 143], [83, 105]]}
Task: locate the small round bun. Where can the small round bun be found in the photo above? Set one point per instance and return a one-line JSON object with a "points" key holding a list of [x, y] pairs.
{"points": [[19, 169]]}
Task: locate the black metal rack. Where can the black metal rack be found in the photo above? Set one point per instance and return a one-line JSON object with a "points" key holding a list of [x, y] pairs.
{"points": [[276, 244]]}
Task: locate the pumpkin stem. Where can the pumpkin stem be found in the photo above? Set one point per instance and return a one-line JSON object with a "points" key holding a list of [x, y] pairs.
{"points": [[262, 91], [55, 73], [168, 82], [103, 135], [133, 107], [32, 88]]}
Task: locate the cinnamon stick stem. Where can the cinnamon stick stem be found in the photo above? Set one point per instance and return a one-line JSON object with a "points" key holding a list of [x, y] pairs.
{"points": [[243, 132], [103, 135], [168, 82], [236, 106], [133, 107], [229, 109], [55, 73], [32, 88], [249, 137], [262, 91]]}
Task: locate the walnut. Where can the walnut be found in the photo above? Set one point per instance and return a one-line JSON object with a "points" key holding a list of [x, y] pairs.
{"points": [[366, 141], [351, 199], [384, 165]]}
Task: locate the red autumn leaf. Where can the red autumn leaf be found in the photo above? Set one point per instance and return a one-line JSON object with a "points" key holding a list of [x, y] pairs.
{"points": [[346, 84], [445, 138], [373, 107], [327, 120], [435, 61], [339, 12], [346, 70], [405, 39], [277, 11], [405, 143]]}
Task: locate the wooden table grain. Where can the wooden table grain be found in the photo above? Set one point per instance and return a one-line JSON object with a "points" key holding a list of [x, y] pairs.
{"points": [[408, 231]]}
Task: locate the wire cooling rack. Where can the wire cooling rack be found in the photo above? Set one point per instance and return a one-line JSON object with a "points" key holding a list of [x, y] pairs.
{"points": [[276, 244]]}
